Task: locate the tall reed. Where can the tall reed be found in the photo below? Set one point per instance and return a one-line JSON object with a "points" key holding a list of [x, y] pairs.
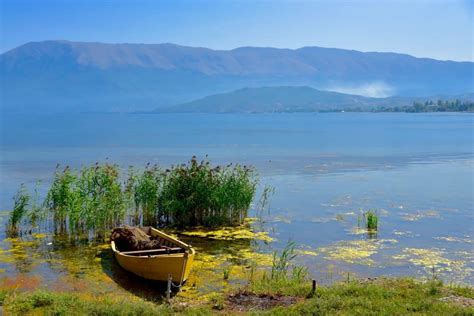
{"points": [[99, 197], [371, 220], [20, 209]]}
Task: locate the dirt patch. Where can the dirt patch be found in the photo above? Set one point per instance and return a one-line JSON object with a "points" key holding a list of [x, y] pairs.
{"points": [[246, 301], [458, 300]]}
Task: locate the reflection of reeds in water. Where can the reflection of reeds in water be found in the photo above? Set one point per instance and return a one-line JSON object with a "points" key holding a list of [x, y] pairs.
{"points": [[96, 199]]}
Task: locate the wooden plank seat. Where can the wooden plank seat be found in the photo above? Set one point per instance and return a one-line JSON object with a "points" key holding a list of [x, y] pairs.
{"points": [[165, 250]]}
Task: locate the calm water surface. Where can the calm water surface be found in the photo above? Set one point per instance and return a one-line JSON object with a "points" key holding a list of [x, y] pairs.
{"points": [[416, 170]]}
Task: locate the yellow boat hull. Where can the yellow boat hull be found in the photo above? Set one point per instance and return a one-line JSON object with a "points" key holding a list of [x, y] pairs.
{"points": [[159, 267]]}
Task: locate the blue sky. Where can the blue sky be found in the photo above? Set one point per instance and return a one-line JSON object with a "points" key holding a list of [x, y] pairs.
{"points": [[436, 29]]}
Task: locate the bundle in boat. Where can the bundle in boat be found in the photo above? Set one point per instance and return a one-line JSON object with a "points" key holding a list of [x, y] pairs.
{"points": [[152, 254], [134, 240]]}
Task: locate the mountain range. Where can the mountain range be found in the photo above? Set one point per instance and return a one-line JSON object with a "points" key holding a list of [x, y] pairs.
{"points": [[58, 76]]}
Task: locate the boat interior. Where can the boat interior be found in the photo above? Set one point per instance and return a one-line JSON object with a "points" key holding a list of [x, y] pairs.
{"points": [[166, 246]]}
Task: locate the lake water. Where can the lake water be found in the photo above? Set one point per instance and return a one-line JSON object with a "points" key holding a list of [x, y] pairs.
{"points": [[416, 170]]}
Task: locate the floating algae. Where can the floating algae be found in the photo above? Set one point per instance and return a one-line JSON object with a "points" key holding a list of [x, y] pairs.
{"points": [[358, 231], [302, 252], [239, 264], [404, 233], [23, 254], [241, 232], [355, 251], [455, 239], [434, 261], [281, 219], [421, 214], [352, 252], [426, 257]]}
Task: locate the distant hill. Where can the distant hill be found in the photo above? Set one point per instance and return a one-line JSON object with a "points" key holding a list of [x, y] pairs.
{"points": [[292, 99], [75, 76]]}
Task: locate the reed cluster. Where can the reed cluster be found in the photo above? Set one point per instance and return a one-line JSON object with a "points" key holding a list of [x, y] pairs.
{"points": [[99, 197], [371, 220], [20, 210]]}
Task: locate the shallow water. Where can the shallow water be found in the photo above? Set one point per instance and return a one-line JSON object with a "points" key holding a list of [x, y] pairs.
{"points": [[416, 170]]}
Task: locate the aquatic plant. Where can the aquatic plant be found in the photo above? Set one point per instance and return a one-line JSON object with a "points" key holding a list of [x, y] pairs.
{"points": [[281, 262], [226, 271], [36, 214], [371, 220], [20, 209], [197, 194], [147, 188], [99, 197], [284, 277], [62, 199]]}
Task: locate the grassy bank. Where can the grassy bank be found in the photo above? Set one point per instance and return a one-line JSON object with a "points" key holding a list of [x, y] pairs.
{"points": [[379, 297]]}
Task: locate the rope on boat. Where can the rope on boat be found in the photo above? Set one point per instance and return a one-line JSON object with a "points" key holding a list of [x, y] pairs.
{"points": [[179, 286]]}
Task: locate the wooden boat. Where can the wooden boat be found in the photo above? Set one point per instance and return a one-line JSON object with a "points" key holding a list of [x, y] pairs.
{"points": [[175, 258]]}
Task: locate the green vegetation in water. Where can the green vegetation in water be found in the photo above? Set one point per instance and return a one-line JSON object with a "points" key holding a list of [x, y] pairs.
{"points": [[284, 278], [20, 210], [370, 221], [96, 199]]}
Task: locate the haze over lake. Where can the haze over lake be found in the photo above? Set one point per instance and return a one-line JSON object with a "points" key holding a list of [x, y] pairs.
{"points": [[416, 170]]}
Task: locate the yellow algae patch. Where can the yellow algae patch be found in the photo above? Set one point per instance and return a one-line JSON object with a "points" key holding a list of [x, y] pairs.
{"points": [[281, 219], [243, 232], [419, 215], [403, 233], [454, 239], [245, 256], [39, 235], [217, 272], [250, 220], [355, 251], [302, 252], [250, 256], [400, 257], [103, 247], [358, 231], [434, 262], [426, 257]]}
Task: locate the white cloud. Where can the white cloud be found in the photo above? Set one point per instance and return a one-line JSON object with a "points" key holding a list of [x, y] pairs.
{"points": [[373, 89]]}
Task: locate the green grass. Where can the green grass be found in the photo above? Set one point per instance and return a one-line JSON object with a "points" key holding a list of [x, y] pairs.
{"points": [[401, 296], [382, 297], [284, 278]]}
